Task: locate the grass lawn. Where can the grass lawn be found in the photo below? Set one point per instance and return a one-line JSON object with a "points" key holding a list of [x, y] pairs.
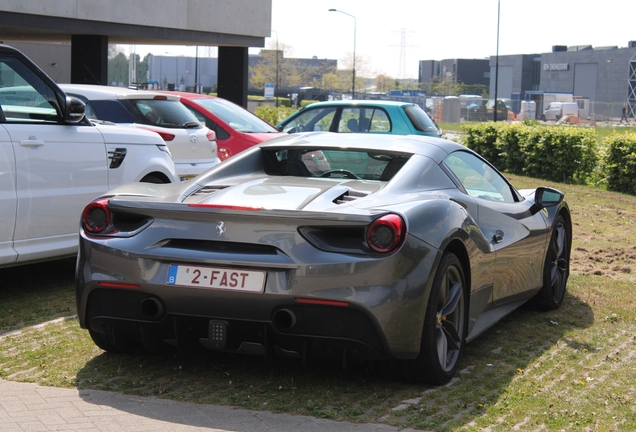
{"points": [[570, 369]]}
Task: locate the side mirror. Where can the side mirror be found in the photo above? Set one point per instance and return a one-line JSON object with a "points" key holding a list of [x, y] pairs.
{"points": [[74, 111], [547, 197]]}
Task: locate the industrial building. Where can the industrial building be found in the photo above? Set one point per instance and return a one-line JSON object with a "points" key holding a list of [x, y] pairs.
{"points": [[601, 79]]}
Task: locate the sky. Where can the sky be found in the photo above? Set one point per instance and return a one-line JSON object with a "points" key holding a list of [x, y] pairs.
{"points": [[393, 35]]}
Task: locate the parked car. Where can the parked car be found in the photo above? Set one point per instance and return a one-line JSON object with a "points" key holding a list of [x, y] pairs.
{"points": [[54, 161], [398, 247], [236, 128], [362, 116], [557, 110], [193, 146]]}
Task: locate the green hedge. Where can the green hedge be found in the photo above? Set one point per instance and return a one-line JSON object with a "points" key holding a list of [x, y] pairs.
{"points": [[620, 163], [563, 154], [273, 115]]}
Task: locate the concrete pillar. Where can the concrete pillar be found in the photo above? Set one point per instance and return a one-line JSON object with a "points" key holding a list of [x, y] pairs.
{"points": [[89, 59], [232, 71]]}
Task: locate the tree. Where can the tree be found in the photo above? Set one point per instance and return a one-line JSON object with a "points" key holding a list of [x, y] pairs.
{"points": [[274, 65], [331, 82], [118, 69], [362, 70]]}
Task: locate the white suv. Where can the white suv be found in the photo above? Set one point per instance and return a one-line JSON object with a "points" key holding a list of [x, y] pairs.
{"points": [[193, 146], [53, 161]]}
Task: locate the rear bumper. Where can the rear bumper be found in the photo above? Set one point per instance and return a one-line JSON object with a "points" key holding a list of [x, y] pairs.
{"points": [[293, 330], [379, 309]]}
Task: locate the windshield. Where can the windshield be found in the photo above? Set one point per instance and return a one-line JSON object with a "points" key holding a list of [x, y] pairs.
{"points": [[236, 117], [333, 163]]}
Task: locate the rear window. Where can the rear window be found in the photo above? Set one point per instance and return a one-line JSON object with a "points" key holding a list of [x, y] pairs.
{"points": [[164, 113], [333, 163], [156, 112], [421, 121]]}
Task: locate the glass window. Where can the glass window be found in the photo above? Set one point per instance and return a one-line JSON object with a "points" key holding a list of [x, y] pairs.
{"points": [[235, 116], [421, 121], [333, 163], [318, 119], [164, 113], [25, 97], [221, 134], [379, 121], [112, 110], [364, 119], [478, 178], [349, 120]]}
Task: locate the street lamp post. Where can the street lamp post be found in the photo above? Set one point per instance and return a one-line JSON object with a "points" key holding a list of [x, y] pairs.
{"points": [[353, 81], [497, 62], [196, 70]]}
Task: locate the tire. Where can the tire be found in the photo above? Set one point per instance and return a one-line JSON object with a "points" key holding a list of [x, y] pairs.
{"points": [[445, 327], [556, 268], [557, 118]]}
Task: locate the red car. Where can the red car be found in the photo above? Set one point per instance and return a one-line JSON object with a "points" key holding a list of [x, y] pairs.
{"points": [[236, 128]]}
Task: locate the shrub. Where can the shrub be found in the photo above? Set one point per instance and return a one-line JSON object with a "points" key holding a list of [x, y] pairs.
{"points": [[620, 165], [482, 138], [564, 154], [305, 102], [273, 115]]}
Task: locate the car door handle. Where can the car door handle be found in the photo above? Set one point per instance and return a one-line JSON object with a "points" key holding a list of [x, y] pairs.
{"points": [[31, 142], [498, 236]]}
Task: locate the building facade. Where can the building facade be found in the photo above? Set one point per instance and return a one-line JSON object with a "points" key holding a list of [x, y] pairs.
{"points": [[466, 71], [603, 77]]}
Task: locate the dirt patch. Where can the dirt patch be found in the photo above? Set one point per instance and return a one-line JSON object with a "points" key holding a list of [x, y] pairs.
{"points": [[603, 235], [609, 261]]}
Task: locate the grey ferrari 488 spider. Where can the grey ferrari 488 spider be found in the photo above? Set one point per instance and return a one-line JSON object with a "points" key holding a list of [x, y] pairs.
{"points": [[347, 246]]}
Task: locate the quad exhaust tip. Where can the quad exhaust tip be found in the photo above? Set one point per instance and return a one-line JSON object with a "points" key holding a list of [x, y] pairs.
{"points": [[284, 319], [151, 308]]}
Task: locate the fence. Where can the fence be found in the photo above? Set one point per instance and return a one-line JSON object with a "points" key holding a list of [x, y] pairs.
{"points": [[452, 109]]}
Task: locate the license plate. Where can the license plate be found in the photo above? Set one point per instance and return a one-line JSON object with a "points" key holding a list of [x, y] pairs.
{"points": [[186, 178], [216, 278]]}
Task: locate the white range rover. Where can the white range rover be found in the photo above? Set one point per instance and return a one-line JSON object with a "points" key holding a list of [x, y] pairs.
{"points": [[193, 146], [53, 161]]}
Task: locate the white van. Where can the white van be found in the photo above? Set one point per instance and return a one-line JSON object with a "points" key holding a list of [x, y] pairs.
{"points": [[557, 110]]}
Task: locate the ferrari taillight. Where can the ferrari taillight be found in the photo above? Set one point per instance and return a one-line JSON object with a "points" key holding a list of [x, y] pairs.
{"points": [[211, 135], [386, 233], [96, 216]]}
